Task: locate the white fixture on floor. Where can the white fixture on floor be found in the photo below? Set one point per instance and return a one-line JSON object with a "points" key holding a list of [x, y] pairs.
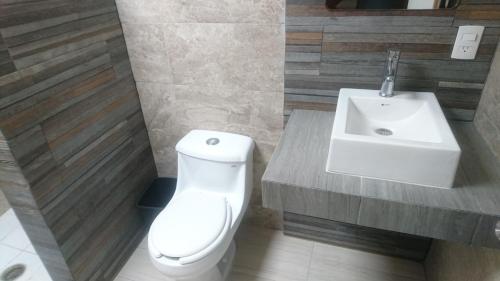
{"points": [[405, 138], [192, 238]]}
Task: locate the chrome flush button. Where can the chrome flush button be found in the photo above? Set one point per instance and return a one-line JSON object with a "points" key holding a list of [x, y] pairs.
{"points": [[212, 141]]}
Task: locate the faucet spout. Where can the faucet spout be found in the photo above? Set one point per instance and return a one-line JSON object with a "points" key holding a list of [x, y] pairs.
{"points": [[391, 67]]}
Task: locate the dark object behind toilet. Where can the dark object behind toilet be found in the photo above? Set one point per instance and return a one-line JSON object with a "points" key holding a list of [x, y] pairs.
{"points": [[156, 197]]}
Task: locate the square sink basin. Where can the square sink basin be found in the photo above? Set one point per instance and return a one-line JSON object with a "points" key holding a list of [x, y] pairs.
{"points": [[404, 138]]}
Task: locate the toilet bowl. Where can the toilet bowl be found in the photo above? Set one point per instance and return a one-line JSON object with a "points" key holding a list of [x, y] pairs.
{"points": [[192, 238]]}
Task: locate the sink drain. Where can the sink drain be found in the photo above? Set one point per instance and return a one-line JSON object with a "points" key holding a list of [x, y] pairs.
{"points": [[13, 272], [383, 131]]}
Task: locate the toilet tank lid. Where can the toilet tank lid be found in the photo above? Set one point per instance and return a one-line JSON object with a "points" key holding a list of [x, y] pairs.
{"points": [[216, 146]]}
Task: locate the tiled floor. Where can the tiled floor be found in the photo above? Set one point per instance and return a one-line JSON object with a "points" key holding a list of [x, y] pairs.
{"points": [[266, 255], [262, 255], [15, 248]]}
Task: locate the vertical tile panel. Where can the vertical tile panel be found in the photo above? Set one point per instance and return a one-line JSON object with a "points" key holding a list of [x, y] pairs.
{"points": [[75, 155]]}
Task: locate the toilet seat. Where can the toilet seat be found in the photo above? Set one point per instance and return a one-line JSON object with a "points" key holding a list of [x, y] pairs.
{"points": [[191, 225]]}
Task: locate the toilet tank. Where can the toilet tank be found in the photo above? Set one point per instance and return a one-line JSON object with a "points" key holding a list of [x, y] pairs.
{"points": [[215, 161]]}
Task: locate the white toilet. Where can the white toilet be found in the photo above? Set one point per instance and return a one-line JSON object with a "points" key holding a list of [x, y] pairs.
{"points": [[192, 238]]}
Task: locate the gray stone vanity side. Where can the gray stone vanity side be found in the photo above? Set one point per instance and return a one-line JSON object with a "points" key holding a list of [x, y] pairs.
{"points": [[368, 239], [463, 214], [294, 180]]}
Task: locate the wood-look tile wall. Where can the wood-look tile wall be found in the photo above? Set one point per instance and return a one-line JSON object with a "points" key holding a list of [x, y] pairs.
{"points": [[328, 50], [74, 152]]}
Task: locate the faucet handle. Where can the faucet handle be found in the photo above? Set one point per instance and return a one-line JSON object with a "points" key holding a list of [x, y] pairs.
{"points": [[393, 53], [392, 61]]}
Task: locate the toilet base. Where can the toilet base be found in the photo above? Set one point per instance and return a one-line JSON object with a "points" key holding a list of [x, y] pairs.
{"points": [[220, 272], [226, 263]]}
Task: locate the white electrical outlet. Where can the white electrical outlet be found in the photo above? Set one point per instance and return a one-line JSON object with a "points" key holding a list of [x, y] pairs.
{"points": [[467, 42]]}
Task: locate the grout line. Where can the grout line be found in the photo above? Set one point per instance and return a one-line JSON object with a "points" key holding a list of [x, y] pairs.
{"points": [[12, 247], [11, 260], [30, 251], [310, 261]]}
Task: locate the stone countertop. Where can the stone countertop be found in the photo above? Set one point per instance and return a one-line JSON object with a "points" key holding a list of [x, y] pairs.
{"points": [[296, 181]]}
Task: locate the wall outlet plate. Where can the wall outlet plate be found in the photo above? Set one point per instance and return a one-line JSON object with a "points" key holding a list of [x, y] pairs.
{"points": [[467, 42]]}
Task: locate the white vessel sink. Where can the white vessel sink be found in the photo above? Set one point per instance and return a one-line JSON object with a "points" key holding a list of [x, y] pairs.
{"points": [[403, 138]]}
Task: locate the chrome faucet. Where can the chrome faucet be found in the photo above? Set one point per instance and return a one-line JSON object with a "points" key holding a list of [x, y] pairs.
{"points": [[391, 67]]}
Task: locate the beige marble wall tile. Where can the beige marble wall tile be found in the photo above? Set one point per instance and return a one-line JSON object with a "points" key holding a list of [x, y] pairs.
{"points": [[171, 111], [232, 56], [202, 11], [150, 69], [147, 51], [144, 39], [141, 11]]}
